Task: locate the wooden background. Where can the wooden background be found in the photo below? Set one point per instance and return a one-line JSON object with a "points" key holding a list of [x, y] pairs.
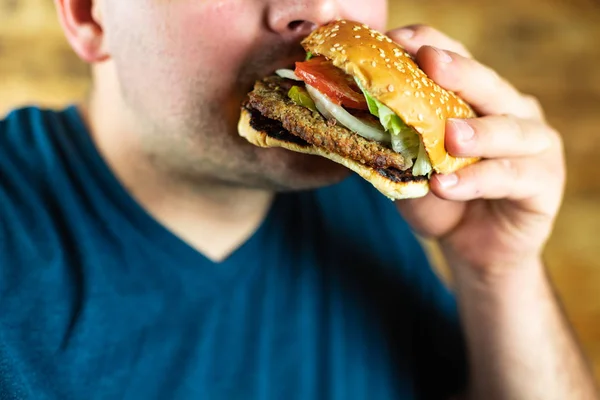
{"points": [[545, 47]]}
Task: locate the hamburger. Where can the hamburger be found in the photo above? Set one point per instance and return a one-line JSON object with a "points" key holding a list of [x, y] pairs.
{"points": [[360, 100]]}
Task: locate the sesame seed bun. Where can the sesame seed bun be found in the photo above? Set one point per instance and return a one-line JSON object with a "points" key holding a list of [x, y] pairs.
{"points": [[390, 75], [389, 188]]}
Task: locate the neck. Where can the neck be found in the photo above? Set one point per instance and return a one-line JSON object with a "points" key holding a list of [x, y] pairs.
{"points": [[214, 218]]}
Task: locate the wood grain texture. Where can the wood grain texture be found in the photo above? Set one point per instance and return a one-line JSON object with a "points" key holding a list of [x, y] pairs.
{"points": [[545, 47]]}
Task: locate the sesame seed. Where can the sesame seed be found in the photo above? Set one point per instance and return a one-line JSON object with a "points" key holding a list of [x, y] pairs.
{"points": [[343, 51], [391, 88], [357, 36], [373, 46], [374, 64], [334, 35], [407, 92], [332, 49]]}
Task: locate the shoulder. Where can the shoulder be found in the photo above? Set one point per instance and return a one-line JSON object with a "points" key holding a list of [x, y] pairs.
{"points": [[25, 123], [34, 144], [29, 137]]}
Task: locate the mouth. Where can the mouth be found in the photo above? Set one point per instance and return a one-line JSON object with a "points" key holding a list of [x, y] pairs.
{"points": [[285, 64], [288, 63]]}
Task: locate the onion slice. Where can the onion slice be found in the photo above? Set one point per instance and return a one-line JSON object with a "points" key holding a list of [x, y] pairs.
{"points": [[287, 73], [332, 110]]}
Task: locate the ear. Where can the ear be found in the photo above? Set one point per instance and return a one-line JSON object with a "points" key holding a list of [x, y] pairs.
{"points": [[82, 22]]}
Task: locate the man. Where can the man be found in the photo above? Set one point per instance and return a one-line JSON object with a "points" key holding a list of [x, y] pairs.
{"points": [[148, 252]]}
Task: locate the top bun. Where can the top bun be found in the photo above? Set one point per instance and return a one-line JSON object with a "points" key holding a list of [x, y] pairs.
{"points": [[391, 76]]}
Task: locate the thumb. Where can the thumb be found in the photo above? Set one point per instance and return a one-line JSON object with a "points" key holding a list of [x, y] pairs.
{"points": [[431, 216]]}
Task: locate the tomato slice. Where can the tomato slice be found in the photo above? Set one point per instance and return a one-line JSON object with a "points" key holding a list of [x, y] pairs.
{"points": [[334, 83]]}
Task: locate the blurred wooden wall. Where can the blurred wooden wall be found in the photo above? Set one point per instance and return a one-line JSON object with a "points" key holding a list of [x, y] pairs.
{"points": [[545, 47]]}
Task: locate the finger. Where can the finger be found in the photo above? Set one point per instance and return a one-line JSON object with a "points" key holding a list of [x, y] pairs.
{"points": [[476, 83], [412, 37], [513, 179], [431, 216], [496, 136]]}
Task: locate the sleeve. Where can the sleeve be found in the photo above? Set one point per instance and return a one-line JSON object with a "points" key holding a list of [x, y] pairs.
{"points": [[440, 350]]}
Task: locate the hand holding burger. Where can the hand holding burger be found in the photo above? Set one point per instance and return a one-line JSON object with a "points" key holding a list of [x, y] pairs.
{"points": [[473, 159]]}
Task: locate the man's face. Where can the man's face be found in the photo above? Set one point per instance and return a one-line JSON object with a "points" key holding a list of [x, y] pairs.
{"points": [[184, 67]]}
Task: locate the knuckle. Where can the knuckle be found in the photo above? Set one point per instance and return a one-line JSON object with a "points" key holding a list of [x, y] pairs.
{"points": [[424, 30], [493, 77], [512, 170], [427, 34], [556, 138], [515, 127], [461, 48], [533, 105]]}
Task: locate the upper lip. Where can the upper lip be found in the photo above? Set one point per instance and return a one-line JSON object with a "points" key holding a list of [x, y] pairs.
{"points": [[284, 64], [288, 62]]}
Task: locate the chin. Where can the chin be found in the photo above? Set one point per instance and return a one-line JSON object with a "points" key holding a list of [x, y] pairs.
{"points": [[287, 171]]}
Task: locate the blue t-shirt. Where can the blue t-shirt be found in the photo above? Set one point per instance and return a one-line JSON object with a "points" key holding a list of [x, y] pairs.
{"points": [[331, 298]]}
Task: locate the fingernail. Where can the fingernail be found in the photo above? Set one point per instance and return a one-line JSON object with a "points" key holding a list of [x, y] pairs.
{"points": [[447, 181], [443, 56], [464, 131], [405, 33]]}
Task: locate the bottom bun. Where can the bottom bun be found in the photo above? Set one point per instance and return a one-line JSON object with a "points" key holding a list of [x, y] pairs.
{"points": [[392, 190]]}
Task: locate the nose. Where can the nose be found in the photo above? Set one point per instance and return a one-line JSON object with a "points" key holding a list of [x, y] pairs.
{"points": [[295, 19]]}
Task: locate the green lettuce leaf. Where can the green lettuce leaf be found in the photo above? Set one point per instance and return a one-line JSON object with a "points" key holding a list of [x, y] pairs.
{"points": [[390, 121], [405, 139]]}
